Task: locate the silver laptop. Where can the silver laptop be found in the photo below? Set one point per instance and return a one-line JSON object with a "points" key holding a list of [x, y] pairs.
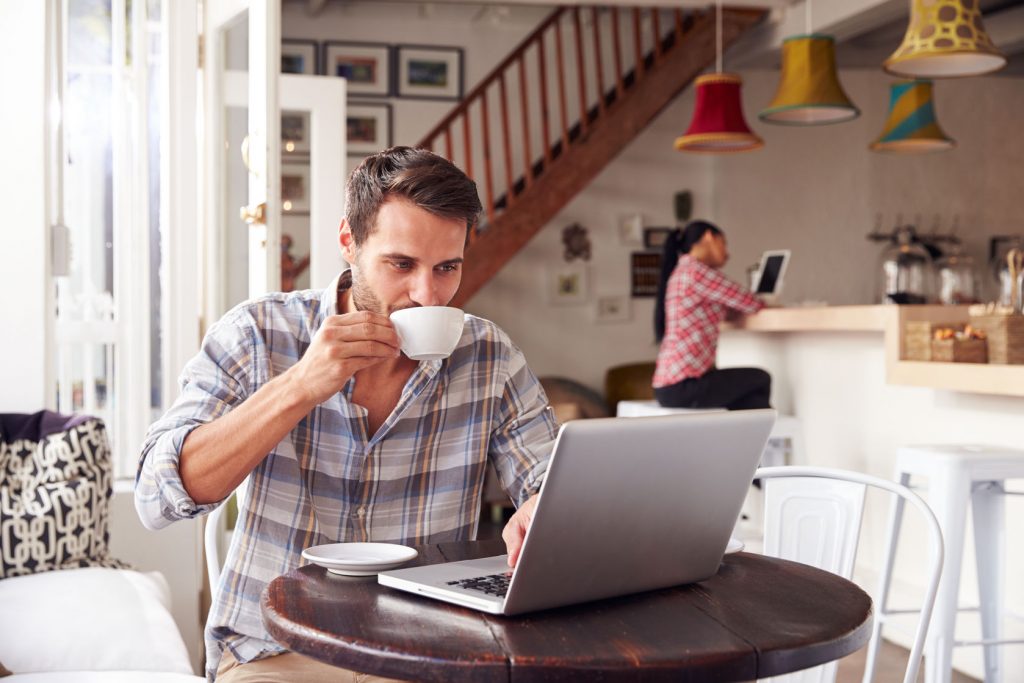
{"points": [[628, 505]]}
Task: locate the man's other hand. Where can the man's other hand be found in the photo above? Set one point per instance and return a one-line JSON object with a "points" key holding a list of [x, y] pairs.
{"points": [[515, 531]]}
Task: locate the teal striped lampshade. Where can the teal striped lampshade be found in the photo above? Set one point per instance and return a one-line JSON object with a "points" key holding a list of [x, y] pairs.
{"points": [[912, 126]]}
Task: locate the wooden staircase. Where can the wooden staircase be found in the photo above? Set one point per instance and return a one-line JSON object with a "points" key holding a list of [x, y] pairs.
{"points": [[542, 164]]}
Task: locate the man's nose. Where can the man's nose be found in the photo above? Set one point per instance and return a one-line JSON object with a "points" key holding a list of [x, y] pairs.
{"points": [[424, 290]]}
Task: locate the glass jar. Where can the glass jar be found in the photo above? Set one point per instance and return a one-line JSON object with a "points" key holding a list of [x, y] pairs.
{"points": [[1005, 283], [907, 270], [958, 279]]}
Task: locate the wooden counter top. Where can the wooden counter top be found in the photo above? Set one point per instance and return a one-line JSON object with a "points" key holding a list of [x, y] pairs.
{"points": [[1007, 380]]}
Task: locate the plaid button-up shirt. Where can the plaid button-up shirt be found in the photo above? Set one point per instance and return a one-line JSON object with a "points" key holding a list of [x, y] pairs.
{"points": [[696, 299], [419, 479]]}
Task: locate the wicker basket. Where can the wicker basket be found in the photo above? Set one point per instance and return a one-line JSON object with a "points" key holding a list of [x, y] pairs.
{"points": [[918, 336], [1005, 337], [960, 350]]}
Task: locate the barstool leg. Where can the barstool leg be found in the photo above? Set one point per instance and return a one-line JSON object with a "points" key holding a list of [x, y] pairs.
{"points": [[892, 537], [988, 501], [949, 494]]}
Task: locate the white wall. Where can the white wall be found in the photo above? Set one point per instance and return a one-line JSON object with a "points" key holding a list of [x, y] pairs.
{"points": [[23, 233]]}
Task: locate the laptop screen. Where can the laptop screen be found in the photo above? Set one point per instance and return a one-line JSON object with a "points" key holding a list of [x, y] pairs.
{"points": [[771, 269]]}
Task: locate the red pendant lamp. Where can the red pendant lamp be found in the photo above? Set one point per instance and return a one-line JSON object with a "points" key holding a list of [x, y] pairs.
{"points": [[718, 124]]}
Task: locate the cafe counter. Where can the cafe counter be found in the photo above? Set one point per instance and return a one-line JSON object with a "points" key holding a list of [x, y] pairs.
{"points": [[841, 371]]}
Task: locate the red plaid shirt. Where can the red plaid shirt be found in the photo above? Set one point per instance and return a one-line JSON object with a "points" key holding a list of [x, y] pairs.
{"points": [[695, 302]]}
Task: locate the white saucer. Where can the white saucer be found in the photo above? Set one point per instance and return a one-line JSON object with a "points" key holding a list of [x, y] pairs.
{"points": [[359, 559], [735, 545]]}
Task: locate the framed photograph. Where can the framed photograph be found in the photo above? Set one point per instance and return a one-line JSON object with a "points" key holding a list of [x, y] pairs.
{"points": [[366, 66], [644, 272], [294, 188], [428, 72], [631, 229], [654, 238], [612, 308], [294, 132], [368, 127], [299, 56], [567, 285]]}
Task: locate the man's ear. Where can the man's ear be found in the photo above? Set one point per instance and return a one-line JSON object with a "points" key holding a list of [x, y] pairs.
{"points": [[346, 241]]}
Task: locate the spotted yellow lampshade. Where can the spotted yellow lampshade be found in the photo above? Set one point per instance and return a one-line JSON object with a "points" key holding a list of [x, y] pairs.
{"points": [[911, 126], [718, 124], [945, 38], [809, 92]]}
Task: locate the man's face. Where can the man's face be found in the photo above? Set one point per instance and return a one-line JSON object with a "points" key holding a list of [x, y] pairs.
{"points": [[410, 258]]}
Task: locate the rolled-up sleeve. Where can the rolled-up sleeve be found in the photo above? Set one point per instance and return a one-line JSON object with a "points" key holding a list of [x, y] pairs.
{"points": [[521, 445], [216, 380]]}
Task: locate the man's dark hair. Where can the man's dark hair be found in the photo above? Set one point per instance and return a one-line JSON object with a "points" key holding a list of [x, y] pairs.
{"points": [[427, 180]]}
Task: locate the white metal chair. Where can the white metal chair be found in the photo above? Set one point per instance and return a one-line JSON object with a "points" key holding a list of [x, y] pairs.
{"points": [[813, 515]]}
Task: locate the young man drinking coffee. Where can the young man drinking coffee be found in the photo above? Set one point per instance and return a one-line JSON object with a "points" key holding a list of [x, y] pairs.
{"points": [[342, 437]]}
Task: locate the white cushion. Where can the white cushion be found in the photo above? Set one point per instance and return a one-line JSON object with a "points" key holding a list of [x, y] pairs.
{"points": [[92, 619]]}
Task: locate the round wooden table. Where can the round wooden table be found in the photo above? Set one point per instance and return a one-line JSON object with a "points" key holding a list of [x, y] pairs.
{"points": [[757, 617]]}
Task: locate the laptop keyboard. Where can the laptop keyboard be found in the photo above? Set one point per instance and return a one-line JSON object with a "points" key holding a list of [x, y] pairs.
{"points": [[492, 584]]}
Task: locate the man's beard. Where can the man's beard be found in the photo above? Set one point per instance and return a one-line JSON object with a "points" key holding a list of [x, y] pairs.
{"points": [[363, 298]]}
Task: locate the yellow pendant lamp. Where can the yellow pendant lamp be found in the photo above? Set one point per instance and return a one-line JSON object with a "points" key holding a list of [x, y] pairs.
{"points": [[809, 92], [911, 126], [718, 124], [945, 38]]}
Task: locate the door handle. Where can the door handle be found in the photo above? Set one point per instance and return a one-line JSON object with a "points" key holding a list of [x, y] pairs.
{"points": [[254, 215]]}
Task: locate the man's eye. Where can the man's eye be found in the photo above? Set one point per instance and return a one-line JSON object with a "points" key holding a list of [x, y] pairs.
{"points": [[402, 265], [449, 268]]}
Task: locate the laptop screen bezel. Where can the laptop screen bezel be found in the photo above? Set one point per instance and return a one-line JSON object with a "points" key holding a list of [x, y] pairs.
{"points": [[765, 257]]}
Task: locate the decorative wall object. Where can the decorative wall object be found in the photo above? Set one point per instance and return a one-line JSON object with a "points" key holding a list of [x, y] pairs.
{"points": [[631, 229], [654, 238], [294, 132], [299, 56], [912, 126], [613, 308], [368, 127], [295, 188], [682, 203], [567, 285], [576, 243], [645, 269], [429, 72], [366, 66], [945, 38]]}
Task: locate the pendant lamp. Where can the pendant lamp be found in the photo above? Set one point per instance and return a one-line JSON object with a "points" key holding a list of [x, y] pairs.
{"points": [[945, 38], [718, 124], [911, 126], [809, 92]]}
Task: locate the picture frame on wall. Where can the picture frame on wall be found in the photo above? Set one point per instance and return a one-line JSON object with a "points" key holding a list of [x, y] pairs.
{"points": [[612, 308], [654, 238], [567, 285], [299, 56], [366, 66], [295, 188], [429, 72], [368, 127], [294, 132]]}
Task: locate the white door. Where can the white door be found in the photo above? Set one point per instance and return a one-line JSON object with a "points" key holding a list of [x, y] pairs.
{"points": [[242, 34]]}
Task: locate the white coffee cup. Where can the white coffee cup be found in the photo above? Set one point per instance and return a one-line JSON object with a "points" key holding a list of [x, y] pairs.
{"points": [[428, 332]]}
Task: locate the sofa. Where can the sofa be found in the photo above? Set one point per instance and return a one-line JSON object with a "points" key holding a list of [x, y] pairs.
{"points": [[69, 611]]}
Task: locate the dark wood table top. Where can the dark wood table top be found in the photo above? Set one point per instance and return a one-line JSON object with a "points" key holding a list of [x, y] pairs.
{"points": [[757, 617]]}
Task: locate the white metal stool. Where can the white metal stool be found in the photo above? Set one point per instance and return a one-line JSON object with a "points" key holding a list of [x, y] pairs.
{"points": [[785, 445], [958, 476]]}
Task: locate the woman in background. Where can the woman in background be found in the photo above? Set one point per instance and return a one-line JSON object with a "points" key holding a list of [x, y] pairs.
{"points": [[693, 298]]}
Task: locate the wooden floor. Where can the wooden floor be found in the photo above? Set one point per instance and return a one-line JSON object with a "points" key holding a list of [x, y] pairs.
{"points": [[892, 660]]}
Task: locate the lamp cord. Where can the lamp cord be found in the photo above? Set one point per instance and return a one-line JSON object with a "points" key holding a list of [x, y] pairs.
{"points": [[807, 16], [718, 36]]}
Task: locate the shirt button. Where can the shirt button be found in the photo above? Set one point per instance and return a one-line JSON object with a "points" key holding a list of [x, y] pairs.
{"points": [[361, 511]]}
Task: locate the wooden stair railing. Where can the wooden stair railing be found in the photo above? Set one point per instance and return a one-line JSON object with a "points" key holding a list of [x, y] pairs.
{"points": [[543, 169]]}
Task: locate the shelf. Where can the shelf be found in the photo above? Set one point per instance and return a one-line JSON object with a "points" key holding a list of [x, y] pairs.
{"points": [[1003, 380]]}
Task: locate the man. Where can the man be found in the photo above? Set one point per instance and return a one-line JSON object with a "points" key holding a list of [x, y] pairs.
{"points": [[341, 437]]}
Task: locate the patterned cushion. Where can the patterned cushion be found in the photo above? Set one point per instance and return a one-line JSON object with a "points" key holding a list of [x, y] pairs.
{"points": [[55, 486]]}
